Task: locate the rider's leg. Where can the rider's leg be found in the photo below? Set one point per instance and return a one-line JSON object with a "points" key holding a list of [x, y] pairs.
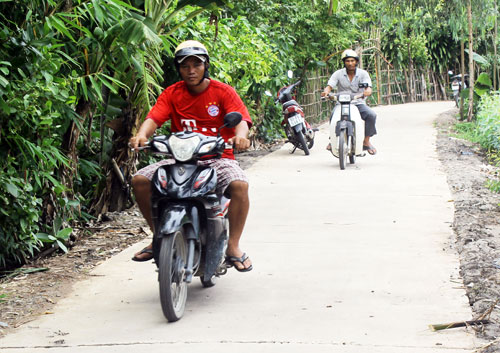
{"points": [[237, 214], [233, 183], [142, 192], [141, 186], [370, 117]]}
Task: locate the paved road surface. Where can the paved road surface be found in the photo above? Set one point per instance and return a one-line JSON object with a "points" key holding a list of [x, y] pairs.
{"points": [[354, 261]]}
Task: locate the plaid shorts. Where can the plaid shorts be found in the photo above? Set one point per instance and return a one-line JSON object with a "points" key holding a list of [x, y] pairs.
{"points": [[228, 170]]}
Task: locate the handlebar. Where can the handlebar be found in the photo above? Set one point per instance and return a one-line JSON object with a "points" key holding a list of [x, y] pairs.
{"points": [[140, 148], [334, 96]]}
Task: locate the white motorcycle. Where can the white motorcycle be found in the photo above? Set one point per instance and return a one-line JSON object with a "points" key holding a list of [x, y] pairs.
{"points": [[346, 129]]}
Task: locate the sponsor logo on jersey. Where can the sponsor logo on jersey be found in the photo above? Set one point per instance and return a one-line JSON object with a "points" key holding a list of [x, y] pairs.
{"points": [[213, 109]]}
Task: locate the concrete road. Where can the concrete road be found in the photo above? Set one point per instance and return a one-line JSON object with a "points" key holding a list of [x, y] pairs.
{"points": [[356, 261]]}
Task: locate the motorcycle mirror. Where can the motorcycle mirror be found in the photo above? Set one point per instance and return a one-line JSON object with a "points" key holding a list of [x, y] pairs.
{"points": [[232, 119], [267, 93], [290, 73]]}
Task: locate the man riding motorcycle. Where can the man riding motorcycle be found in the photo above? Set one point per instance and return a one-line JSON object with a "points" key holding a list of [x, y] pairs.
{"points": [[348, 80], [198, 103]]}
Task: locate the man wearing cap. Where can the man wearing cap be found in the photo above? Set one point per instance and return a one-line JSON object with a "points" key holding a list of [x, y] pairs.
{"points": [[198, 103], [348, 80]]}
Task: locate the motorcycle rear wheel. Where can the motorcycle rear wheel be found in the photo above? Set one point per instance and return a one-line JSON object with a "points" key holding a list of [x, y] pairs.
{"points": [[172, 262], [342, 149], [302, 141]]}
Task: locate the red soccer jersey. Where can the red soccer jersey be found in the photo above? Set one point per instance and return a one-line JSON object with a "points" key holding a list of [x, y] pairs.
{"points": [[202, 112]]}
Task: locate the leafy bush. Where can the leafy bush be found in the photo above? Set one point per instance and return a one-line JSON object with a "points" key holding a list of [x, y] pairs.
{"points": [[35, 110], [482, 87], [486, 131], [19, 213], [488, 121]]}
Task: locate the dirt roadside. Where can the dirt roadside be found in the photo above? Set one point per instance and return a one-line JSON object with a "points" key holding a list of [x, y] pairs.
{"points": [[476, 224], [26, 296]]}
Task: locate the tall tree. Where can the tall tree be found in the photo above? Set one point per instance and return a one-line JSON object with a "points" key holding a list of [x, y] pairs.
{"points": [[471, 61]]}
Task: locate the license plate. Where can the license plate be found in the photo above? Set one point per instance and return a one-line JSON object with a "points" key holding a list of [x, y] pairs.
{"points": [[455, 87], [295, 120]]}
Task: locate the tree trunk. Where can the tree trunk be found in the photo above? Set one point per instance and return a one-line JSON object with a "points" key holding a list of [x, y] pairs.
{"points": [[51, 206], [471, 62], [377, 72], [424, 88], [70, 140], [462, 72], [115, 194], [389, 93], [412, 77], [495, 60]]}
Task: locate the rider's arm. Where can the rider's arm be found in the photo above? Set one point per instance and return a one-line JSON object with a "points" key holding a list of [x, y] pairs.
{"points": [[326, 91], [146, 130], [240, 141], [367, 92]]}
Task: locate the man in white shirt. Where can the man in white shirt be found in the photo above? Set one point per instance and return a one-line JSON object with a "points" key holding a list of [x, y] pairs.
{"points": [[353, 80]]}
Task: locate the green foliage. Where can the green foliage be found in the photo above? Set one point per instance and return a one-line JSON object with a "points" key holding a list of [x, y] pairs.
{"points": [[20, 211], [35, 109], [488, 126], [59, 238], [482, 87], [488, 121], [467, 131], [58, 60], [486, 130]]}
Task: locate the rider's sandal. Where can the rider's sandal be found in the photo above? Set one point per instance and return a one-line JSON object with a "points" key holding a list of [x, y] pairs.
{"points": [[145, 258], [231, 260], [370, 149]]}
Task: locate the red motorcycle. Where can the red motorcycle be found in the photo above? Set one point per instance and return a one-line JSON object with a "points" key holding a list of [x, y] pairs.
{"points": [[298, 131]]}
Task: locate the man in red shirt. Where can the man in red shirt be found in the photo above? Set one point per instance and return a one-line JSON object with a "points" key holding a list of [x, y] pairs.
{"points": [[198, 103]]}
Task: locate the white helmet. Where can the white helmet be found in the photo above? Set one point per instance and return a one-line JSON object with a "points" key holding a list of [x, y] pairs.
{"points": [[191, 48], [349, 53]]}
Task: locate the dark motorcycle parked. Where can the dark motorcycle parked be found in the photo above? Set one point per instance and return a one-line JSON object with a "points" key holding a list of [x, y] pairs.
{"points": [[298, 131], [190, 220], [456, 85]]}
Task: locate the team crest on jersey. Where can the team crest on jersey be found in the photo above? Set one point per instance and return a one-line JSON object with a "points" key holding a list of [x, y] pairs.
{"points": [[213, 109]]}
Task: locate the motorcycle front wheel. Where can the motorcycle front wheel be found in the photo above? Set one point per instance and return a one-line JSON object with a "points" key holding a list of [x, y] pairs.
{"points": [[352, 152], [302, 141], [172, 262], [343, 151]]}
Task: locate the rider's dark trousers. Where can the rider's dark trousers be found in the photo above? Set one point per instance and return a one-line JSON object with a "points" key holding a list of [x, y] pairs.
{"points": [[369, 116]]}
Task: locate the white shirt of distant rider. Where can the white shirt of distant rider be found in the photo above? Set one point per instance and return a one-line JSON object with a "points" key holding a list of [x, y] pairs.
{"points": [[341, 82]]}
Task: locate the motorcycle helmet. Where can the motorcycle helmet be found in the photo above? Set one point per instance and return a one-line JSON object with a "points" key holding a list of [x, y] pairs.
{"points": [[349, 53], [192, 48]]}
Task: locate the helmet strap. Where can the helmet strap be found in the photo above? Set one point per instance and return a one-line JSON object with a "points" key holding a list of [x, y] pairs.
{"points": [[205, 75]]}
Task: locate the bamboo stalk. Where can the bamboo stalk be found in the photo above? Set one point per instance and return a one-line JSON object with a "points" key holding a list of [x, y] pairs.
{"points": [[438, 327]]}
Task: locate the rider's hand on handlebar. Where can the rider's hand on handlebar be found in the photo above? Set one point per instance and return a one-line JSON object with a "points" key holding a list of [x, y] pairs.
{"points": [[239, 143], [138, 141]]}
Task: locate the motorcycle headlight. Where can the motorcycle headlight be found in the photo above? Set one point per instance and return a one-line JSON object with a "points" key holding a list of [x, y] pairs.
{"points": [[183, 149], [344, 98], [160, 146], [207, 147]]}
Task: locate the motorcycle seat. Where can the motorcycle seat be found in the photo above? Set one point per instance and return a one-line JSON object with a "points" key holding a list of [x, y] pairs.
{"points": [[289, 104]]}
